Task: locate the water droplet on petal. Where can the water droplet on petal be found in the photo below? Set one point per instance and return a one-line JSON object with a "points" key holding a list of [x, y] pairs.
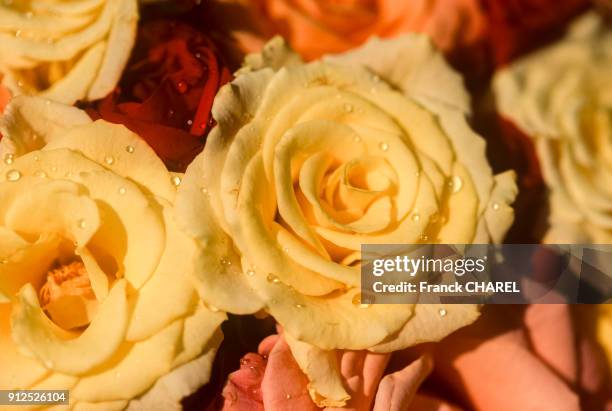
{"points": [[110, 160], [8, 158], [176, 180], [122, 190], [189, 122], [384, 146], [416, 217], [299, 306], [40, 174], [213, 308], [348, 108], [455, 184], [273, 279], [130, 149], [13, 175], [250, 272], [18, 33], [495, 206], [82, 224], [181, 86], [442, 312], [424, 238], [288, 396], [204, 190], [36, 158]]}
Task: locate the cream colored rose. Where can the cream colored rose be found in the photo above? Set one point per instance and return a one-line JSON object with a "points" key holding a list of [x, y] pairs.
{"points": [[66, 50], [562, 98], [308, 162], [96, 294]]}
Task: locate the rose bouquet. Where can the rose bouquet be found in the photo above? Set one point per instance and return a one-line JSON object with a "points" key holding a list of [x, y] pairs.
{"points": [[188, 190]]}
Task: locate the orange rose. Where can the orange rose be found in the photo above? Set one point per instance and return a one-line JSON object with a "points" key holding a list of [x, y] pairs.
{"points": [[317, 27]]}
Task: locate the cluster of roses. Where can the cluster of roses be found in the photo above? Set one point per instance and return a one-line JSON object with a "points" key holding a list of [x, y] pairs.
{"points": [[146, 191]]}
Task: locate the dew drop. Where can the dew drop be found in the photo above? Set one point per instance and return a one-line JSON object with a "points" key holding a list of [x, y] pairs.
{"points": [[20, 84], [176, 180], [189, 122], [18, 33], [122, 190], [181, 86], [424, 238], [213, 308], [495, 206], [416, 217], [13, 175], [204, 190], [348, 108], [288, 396], [54, 169], [82, 224], [250, 272], [225, 261], [36, 158], [455, 184], [442, 312], [130, 149], [8, 158], [110, 160], [299, 306], [272, 278], [384, 146]]}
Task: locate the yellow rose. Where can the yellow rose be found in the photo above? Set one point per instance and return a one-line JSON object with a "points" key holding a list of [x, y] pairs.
{"points": [[66, 50], [562, 98], [95, 291], [308, 162]]}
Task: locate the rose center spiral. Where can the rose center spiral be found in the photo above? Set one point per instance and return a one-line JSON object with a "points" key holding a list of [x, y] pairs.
{"points": [[67, 296]]}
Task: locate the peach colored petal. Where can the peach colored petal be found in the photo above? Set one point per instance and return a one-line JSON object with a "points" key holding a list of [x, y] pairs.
{"points": [[242, 391], [362, 372], [284, 385], [500, 373], [551, 333], [397, 390], [426, 403]]}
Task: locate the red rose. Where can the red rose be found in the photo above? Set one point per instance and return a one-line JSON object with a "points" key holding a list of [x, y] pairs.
{"points": [[516, 26], [167, 91]]}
